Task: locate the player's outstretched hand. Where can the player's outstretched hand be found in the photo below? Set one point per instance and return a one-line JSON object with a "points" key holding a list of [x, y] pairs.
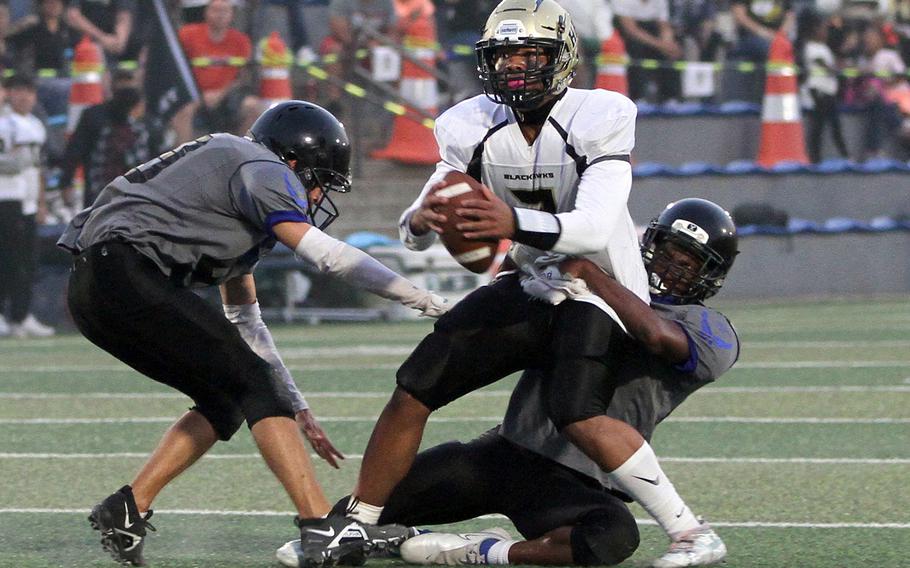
{"points": [[426, 217], [430, 305], [489, 218], [317, 437]]}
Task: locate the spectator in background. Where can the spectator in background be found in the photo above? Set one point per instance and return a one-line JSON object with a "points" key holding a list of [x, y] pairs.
{"points": [[695, 24], [108, 22], [459, 23], [882, 89], [757, 21], [899, 15], [646, 30], [219, 55], [593, 21], [819, 83], [110, 138], [293, 12], [45, 41], [22, 205], [351, 23], [7, 59], [19, 9], [192, 11]]}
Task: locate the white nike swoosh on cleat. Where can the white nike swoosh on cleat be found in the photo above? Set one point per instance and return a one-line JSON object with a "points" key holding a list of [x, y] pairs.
{"points": [[328, 533], [126, 520]]}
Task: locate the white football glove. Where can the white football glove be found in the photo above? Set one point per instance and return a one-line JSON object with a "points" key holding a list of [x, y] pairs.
{"points": [[547, 283], [428, 304]]}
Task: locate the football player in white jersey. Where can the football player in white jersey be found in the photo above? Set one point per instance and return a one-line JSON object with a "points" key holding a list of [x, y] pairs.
{"points": [[556, 162], [568, 508]]}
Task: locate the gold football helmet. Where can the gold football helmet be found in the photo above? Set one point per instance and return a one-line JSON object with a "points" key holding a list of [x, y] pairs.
{"points": [[540, 24]]}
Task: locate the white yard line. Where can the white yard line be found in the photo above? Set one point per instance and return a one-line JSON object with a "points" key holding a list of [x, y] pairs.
{"points": [[177, 395], [667, 459], [125, 369], [490, 419], [787, 420], [369, 348], [477, 394], [872, 364], [825, 344], [229, 513], [822, 365]]}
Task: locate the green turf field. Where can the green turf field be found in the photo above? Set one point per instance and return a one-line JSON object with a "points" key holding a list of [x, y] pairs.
{"points": [[800, 456]]}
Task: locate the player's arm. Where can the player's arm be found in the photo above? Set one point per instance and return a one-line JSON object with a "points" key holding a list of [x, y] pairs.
{"points": [[660, 336], [238, 297], [356, 267]]}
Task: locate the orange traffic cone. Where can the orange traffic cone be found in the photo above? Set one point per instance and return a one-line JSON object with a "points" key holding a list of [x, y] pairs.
{"points": [[274, 70], [86, 89], [782, 138], [611, 65], [412, 142]]}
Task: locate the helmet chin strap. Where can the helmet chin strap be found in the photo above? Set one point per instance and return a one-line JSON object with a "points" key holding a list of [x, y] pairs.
{"points": [[539, 114]]}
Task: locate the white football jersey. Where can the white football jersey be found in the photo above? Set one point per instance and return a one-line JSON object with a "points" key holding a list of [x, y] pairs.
{"points": [[12, 184], [27, 138], [578, 169]]}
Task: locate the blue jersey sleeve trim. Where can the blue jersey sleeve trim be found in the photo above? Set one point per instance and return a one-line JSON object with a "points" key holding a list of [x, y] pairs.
{"points": [[692, 362], [276, 217]]}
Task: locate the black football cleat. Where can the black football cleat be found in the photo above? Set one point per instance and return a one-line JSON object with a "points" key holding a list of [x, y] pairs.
{"points": [[337, 539], [122, 528]]}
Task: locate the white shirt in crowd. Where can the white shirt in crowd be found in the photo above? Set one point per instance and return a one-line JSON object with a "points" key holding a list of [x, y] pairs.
{"points": [[21, 140], [592, 18], [821, 77], [643, 10]]}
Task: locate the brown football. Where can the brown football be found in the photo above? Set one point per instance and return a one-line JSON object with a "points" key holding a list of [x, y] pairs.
{"points": [[476, 256]]}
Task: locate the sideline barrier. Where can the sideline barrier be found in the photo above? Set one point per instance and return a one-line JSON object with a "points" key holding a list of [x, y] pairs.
{"points": [[748, 167], [833, 226]]}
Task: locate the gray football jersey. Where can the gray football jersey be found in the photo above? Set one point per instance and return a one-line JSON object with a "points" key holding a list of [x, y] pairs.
{"points": [[202, 212], [649, 387]]}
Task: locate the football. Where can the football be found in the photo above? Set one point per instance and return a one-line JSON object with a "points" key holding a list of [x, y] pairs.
{"points": [[476, 256]]}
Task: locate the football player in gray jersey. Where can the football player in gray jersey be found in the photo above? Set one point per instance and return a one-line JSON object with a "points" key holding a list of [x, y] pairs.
{"points": [[569, 506], [203, 214]]}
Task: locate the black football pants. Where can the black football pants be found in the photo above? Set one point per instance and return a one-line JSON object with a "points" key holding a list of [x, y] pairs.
{"points": [[457, 481], [123, 303], [498, 330]]}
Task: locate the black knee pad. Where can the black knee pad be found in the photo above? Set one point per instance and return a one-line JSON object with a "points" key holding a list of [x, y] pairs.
{"points": [[225, 419], [264, 394], [604, 538]]}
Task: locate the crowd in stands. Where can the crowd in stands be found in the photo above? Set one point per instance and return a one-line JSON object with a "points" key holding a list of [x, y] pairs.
{"points": [[851, 54]]}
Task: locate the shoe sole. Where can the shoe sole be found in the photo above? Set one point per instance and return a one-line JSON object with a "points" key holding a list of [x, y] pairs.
{"points": [[319, 557], [111, 542]]}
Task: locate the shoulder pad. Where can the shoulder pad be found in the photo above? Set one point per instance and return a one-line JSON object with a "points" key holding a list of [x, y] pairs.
{"points": [[461, 128], [605, 124]]}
